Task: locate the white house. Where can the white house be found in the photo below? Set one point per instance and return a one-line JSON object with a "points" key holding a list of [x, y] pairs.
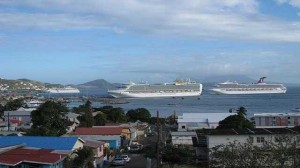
{"points": [[183, 138], [276, 120], [193, 121], [209, 138]]}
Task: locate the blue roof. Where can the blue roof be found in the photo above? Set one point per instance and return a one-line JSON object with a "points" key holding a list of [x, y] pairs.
{"points": [[55, 143]]}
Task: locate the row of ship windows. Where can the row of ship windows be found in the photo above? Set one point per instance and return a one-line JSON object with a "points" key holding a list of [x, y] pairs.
{"points": [[165, 91], [249, 89]]}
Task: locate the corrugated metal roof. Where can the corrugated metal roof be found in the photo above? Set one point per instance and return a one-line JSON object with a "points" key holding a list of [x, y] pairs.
{"points": [[203, 117], [98, 131], [18, 113], [19, 155], [275, 114], [56, 143], [183, 133], [246, 131], [92, 143]]}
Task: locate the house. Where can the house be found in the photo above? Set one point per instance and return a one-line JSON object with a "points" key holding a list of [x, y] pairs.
{"points": [[17, 118], [58, 144], [27, 151], [31, 157], [125, 129], [183, 137], [276, 120], [72, 117], [112, 135], [98, 149], [206, 139], [193, 121]]}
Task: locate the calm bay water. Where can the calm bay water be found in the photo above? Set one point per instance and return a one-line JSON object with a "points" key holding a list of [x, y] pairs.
{"points": [[207, 103]]}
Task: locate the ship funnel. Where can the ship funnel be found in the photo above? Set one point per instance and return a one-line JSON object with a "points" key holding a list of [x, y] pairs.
{"points": [[261, 80]]}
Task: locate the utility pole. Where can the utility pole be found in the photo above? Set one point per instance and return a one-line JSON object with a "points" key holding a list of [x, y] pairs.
{"points": [[8, 121], [158, 142]]}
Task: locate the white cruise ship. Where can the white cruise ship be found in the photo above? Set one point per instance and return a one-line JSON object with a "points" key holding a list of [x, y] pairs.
{"points": [[177, 89], [64, 90], [256, 88]]}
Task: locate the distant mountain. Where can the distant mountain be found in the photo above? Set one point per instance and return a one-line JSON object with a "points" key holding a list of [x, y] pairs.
{"points": [[99, 83]]}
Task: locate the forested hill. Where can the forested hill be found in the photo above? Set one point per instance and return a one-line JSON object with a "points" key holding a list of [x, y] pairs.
{"points": [[99, 83]]}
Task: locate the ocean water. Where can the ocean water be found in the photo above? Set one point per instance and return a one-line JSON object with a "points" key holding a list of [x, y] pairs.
{"points": [[206, 103]]}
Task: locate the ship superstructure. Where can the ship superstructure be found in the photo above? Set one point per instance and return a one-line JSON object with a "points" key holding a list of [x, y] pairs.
{"points": [[179, 88], [255, 88], [64, 90]]}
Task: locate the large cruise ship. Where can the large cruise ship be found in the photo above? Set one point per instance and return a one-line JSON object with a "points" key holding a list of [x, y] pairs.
{"points": [[179, 88], [256, 88], [64, 90]]}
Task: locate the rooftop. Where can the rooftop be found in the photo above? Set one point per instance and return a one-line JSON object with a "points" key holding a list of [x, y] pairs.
{"points": [[275, 114], [203, 117], [93, 144], [255, 131], [19, 155], [98, 131], [56, 143]]}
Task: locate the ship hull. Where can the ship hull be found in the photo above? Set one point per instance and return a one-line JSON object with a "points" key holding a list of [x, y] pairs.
{"points": [[220, 91], [125, 94]]}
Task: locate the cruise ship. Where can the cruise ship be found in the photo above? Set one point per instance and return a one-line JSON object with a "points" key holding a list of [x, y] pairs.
{"points": [[179, 88], [256, 88], [64, 90]]}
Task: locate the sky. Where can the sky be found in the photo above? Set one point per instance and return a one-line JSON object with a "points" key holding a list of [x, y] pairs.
{"points": [[76, 41]]}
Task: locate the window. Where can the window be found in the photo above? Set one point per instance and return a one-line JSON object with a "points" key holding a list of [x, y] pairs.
{"points": [[260, 139], [183, 127]]}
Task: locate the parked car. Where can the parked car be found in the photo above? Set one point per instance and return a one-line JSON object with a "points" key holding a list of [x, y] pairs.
{"points": [[125, 157], [119, 162]]}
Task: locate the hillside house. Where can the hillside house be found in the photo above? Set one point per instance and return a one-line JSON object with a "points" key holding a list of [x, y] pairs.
{"points": [[206, 139], [36, 151], [277, 120], [193, 121], [112, 135], [17, 118], [98, 149], [183, 137]]}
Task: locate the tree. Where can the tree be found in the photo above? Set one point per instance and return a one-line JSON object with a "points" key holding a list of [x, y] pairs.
{"points": [[13, 104], [281, 152], [176, 155], [49, 119], [116, 115], [100, 119], [84, 157], [238, 120], [141, 114], [153, 120], [241, 111], [86, 119]]}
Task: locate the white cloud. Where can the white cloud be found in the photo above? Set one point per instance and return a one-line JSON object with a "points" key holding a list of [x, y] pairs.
{"points": [[295, 3], [229, 19]]}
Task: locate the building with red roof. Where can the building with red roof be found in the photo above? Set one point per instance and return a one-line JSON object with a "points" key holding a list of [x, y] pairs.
{"points": [[111, 135], [26, 157], [98, 131]]}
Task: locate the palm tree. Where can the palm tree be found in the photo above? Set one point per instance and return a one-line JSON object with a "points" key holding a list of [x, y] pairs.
{"points": [[85, 156], [241, 111]]}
